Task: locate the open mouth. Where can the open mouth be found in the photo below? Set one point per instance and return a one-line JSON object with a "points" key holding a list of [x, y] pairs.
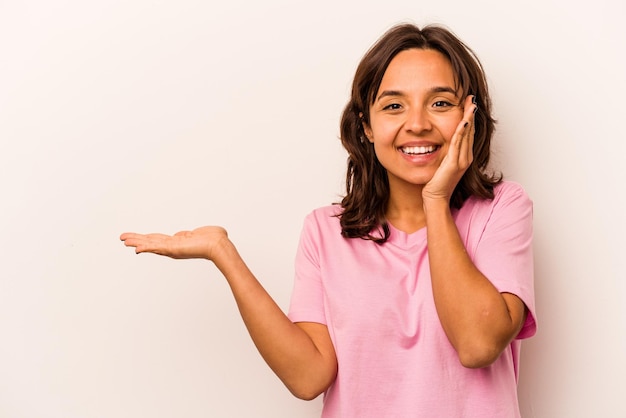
{"points": [[419, 150]]}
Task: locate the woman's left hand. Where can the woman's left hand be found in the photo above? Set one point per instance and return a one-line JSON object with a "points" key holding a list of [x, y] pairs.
{"points": [[459, 157]]}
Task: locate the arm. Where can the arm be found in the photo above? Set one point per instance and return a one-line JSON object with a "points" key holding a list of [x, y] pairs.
{"points": [[478, 320], [301, 355]]}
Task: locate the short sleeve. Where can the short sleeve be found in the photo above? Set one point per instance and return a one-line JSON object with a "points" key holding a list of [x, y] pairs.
{"points": [[504, 253], [307, 298]]}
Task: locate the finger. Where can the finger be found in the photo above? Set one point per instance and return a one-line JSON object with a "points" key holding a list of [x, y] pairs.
{"points": [[470, 142], [469, 108], [143, 245], [459, 133], [466, 152], [133, 242], [142, 242], [127, 235], [463, 129], [472, 133], [466, 145]]}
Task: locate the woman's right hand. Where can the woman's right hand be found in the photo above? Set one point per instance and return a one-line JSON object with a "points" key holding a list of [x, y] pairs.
{"points": [[302, 355], [204, 242]]}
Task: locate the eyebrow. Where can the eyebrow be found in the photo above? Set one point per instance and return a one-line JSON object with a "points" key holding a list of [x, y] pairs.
{"points": [[438, 89]]}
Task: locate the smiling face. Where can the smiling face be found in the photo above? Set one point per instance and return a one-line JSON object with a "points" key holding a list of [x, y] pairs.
{"points": [[413, 117]]}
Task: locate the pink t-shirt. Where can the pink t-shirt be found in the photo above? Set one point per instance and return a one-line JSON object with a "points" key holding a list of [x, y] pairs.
{"points": [[394, 357]]}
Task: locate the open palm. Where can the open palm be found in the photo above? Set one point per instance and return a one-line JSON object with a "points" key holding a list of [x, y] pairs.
{"points": [[199, 243]]}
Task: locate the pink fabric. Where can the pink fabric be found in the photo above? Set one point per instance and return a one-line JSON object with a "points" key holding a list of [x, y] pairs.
{"points": [[394, 357]]}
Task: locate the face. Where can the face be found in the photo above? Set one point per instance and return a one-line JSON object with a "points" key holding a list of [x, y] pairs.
{"points": [[415, 113]]}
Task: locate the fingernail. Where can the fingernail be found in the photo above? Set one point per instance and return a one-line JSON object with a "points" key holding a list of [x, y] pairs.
{"points": [[466, 123], [476, 109], [474, 99]]}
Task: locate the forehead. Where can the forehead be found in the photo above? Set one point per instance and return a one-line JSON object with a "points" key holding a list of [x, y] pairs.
{"points": [[415, 68]]}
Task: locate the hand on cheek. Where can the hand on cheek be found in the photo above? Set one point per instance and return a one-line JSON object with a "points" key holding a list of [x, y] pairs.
{"points": [[458, 158]]}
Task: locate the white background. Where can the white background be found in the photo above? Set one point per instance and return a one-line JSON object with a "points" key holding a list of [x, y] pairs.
{"points": [[159, 116]]}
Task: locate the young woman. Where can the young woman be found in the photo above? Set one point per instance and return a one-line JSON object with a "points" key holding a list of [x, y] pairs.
{"points": [[411, 296]]}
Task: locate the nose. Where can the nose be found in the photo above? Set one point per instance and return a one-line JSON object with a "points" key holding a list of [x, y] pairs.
{"points": [[418, 120]]}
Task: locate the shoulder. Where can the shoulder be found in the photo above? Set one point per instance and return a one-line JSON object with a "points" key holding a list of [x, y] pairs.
{"points": [[325, 215], [510, 204], [323, 221], [507, 190], [496, 224], [511, 200], [505, 194], [327, 211], [321, 231]]}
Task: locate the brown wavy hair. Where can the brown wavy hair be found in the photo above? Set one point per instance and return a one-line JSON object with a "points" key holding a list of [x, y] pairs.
{"points": [[367, 184]]}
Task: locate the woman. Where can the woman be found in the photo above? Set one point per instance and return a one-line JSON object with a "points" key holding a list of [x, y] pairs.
{"points": [[410, 297]]}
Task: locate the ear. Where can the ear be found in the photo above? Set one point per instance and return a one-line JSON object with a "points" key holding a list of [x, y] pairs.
{"points": [[366, 129]]}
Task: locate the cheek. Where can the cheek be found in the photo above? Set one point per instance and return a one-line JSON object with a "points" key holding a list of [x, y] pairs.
{"points": [[385, 132], [380, 150], [449, 127]]}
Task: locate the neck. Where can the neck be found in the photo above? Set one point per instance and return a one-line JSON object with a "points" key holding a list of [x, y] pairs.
{"points": [[405, 210]]}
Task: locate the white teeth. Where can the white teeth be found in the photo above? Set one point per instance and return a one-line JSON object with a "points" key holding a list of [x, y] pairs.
{"points": [[418, 150]]}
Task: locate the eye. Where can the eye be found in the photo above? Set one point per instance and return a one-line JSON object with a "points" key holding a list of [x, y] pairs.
{"points": [[392, 106], [442, 103]]}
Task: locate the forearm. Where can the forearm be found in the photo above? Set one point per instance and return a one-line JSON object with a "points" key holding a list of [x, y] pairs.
{"points": [[306, 369], [473, 313]]}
